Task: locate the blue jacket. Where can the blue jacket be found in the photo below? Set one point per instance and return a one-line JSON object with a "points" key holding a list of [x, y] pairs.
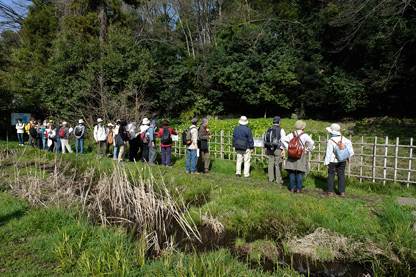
{"points": [[242, 132]]}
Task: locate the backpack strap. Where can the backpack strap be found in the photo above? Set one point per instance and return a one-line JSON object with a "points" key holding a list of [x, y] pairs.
{"points": [[298, 136]]}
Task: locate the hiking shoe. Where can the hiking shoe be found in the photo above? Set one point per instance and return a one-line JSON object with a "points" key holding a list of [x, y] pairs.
{"points": [[300, 191], [329, 193], [342, 194], [207, 171], [292, 190], [196, 172], [238, 175]]}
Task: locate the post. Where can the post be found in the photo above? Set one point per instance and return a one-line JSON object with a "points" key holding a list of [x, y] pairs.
{"points": [[222, 145], [385, 161], [396, 152], [319, 153], [349, 164], [410, 162], [374, 158], [310, 155], [361, 160]]}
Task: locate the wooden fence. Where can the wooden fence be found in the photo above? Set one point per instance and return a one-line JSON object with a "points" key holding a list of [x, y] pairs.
{"points": [[375, 159]]}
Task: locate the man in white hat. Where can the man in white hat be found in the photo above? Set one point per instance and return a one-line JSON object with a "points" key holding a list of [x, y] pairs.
{"points": [[244, 144], [333, 162], [100, 137], [79, 132], [65, 140]]}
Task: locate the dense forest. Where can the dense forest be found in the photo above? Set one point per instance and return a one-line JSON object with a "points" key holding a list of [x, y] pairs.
{"points": [[181, 58]]}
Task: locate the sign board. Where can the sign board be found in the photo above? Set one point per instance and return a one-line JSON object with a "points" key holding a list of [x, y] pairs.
{"points": [[24, 116], [258, 142], [175, 138]]}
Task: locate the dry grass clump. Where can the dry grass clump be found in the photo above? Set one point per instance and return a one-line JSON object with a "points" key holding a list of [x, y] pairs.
{"points": [[117, 197], [325, 245]]}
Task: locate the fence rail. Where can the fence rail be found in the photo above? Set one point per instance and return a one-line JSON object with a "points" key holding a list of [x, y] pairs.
{"points": [[375, 159]]}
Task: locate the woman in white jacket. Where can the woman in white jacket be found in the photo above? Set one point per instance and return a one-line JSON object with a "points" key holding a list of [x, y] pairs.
{"points": [[51, 137], [20, 127], [331, 160]]}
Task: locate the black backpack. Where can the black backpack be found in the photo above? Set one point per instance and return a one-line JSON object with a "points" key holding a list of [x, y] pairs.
{"points": [[187, 137], [166, 137], [272, 138], [33, 132], [77, 131]]}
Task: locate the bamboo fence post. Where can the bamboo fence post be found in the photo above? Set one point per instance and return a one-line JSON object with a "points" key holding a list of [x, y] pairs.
{"points": [[349, 163], [385, 160], [319, 152], [374, 158], [222, 145], [396, 152], [255, 150], [262, 150], [361, 159], [310, 154], [410, 162], [215, 135], [176, 143]]}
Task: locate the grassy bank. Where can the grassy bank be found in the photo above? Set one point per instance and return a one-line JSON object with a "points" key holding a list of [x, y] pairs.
{"points": [[235, 218]]}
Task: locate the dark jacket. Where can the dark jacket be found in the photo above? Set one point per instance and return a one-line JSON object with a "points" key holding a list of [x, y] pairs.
{"points": [[202, 133], [242, 132]]}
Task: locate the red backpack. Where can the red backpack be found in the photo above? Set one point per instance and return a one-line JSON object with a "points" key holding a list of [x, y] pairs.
{"points": [[61, 133], [295, 148]]}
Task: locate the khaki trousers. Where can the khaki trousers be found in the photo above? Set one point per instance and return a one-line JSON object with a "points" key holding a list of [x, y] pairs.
{"points": [[275, 165], [122, 149], [203, 154], [65, 145], [246, 156], [101, 144]]}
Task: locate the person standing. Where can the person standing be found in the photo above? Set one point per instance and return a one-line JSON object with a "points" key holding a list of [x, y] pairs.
{"points": [[204, 135], [331, 161], [275, 150], [44, 138], [192, 149], [100, 137], [31, 131], [79, 132], [152, 143], [116, 147], [51, 138], [110, 138], [20, 129], [297, 165], [165, 135], [244, 144], [58, 139], [39, 137], [144, 139], [133, 142], [65, 139], [122, 132]]}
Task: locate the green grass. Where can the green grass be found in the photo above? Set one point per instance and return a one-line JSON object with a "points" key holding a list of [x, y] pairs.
{"points": [[250, 209]]}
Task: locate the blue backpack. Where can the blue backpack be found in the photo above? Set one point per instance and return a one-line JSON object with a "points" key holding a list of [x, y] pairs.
{"points": [[340, 151]]}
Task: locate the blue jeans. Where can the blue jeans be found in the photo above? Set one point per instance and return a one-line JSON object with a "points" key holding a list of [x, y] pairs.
{"points": [[45, 143], [59, 146], [20, 138], [299, 178], [115, 153], [191, 156], [81, 142]]}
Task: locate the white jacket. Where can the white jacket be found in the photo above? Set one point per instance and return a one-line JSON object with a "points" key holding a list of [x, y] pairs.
{"points": [[20, 128], [100, 133], [330, 156]]}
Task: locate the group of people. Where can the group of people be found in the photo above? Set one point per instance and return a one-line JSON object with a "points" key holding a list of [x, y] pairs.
{"points": [[142, 139], [298, 144]]}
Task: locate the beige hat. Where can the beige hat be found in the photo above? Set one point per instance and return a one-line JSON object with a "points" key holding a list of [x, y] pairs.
{"points": [[146, 121], [300, 125], [110, 125], [64, 123], [99, 120], [243, 120], [81, 121], [334, 129]]}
